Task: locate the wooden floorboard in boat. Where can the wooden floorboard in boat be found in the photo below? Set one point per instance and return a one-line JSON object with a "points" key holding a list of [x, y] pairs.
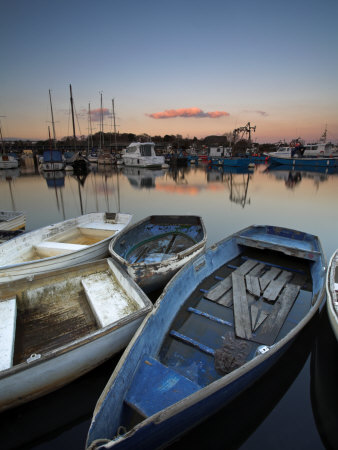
{"points": [[272, 325], [51, 324]]}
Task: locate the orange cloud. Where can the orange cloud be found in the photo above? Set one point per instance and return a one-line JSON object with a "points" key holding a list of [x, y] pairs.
{"points": [[187, 112]]}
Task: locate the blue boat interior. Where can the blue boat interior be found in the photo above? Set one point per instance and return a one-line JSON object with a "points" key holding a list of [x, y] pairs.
{"points": [[231, 304], [158, 238]]}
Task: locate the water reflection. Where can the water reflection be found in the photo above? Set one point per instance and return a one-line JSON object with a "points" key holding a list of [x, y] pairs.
{"points": [[9, 175], [142, 178], [292, 176], [236, 179]]}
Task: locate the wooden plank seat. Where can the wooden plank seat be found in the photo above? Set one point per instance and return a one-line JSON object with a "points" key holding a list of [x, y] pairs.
{"points": [[108, 302], [7, 332], [52, 248], [156, 386], [102, 226]]}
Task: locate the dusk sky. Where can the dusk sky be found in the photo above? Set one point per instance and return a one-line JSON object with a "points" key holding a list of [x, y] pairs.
{"points": [[191, 67]]}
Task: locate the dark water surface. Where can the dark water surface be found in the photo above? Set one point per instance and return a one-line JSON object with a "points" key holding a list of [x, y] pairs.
{"points": [[294, 405]]}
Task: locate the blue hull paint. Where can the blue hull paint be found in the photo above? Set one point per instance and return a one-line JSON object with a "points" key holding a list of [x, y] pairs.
{"points": [[169, 422], [231, 162], [305, 162]]}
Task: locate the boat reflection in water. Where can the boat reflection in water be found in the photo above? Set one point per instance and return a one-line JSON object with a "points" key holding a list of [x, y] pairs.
{"points": [[292, 176], [142, 178], [236, 180], [54, 179], [324, 382]]}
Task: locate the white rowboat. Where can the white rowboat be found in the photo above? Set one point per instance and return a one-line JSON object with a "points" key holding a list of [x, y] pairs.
{"points": [[73, 241], [62, 324]]}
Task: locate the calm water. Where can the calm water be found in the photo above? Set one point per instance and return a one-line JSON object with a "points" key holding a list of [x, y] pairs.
{"points": [[288, 408]]}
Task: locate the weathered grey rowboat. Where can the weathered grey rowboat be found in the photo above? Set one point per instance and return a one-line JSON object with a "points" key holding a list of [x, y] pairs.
{"points": [[155, 248], [332, 292], [222, 321], [62, 324], [63, 244]]}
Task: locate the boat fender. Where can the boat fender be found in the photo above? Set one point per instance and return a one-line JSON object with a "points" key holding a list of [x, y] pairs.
{"points": [[33, 357]]}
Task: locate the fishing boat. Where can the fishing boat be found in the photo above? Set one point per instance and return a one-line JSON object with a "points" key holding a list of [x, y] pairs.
{"points": [[73, 241], [222, 321], [332, 292], [142, 155], [153, 249], [57, 326], [305, 161]]}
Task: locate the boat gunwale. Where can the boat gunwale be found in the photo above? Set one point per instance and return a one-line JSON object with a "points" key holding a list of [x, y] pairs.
{"points": [[89, 337], [222, 382], [329, 284]]}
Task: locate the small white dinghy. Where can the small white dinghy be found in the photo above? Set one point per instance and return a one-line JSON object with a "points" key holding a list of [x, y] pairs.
{"points": [[73, 241], [62, 324], [12, 220], [12, 223]]}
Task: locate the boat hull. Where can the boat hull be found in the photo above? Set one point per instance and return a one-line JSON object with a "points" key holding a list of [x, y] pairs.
{"points": [[12, 221], [232, 162], [304, 162], [331, 290]]}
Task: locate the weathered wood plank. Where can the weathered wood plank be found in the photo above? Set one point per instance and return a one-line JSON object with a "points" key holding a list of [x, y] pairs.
{"points": [[272, 325], [219, 290], [258, 316], [226, 299], [268, 276], [242, 318], [274, 288], [257, 270], [252, 285], [223, 286]]}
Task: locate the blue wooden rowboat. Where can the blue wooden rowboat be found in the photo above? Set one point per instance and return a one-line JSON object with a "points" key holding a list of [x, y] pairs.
{"points": [[220, 324], [313, 162], [155, 248]]}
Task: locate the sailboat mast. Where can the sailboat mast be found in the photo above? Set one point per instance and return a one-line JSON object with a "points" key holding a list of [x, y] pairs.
{"points": [[102, 122], [72, 108], [53, 123], [2, 141], [114, 124]]}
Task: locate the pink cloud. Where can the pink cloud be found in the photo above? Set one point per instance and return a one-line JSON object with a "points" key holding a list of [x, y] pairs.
{"points": [[187, 112], [96, 114]]}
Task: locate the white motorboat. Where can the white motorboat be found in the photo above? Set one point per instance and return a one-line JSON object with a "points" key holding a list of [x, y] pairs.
{"points": [[142, 154]]}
